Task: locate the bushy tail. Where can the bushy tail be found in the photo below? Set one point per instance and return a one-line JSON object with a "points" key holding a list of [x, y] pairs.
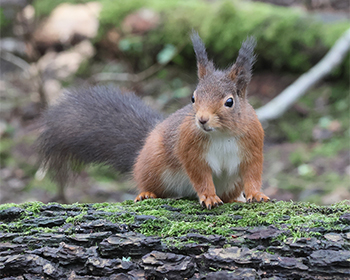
{"points": [[94, 125]]}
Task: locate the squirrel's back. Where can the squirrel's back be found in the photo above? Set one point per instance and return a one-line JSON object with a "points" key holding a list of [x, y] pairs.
{"points": [[94, 125]]}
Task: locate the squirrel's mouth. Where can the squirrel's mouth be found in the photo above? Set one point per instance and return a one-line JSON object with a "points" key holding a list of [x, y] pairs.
{"points": [[204, 127], [207, 129]]}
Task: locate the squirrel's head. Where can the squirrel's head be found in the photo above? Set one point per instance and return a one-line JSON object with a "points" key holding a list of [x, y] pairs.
{"points": [[221, 94]]}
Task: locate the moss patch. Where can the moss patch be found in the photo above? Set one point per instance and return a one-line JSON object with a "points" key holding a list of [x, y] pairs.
{"points": [[175, 218]]}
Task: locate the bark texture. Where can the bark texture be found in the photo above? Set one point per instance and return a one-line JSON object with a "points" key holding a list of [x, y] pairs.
{"points": [[84, 241]]}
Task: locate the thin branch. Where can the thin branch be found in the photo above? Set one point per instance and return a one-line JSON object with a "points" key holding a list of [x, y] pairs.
{"points": [[126, 77], [31, 73], [281, 103], [15, 60]]}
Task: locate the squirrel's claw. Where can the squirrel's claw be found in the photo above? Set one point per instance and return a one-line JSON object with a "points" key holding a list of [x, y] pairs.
{"points": [[210, 201], [145, 195], [257, 196]]}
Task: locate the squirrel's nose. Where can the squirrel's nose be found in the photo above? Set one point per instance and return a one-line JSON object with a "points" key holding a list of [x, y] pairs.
{"points": [[203, 120]]}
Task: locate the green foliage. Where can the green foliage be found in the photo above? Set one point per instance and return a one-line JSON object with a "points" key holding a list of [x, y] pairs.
{"points": [[166, 54], [300, 131], [44, 8], [288, 39], [114, 11]]}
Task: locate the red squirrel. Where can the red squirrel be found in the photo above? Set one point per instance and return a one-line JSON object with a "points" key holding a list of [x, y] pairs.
{"points": [[211, 149]]}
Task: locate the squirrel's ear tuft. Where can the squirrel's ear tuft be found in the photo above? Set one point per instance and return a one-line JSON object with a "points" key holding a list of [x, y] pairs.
{"points": [[241, 71], [204, 65]]}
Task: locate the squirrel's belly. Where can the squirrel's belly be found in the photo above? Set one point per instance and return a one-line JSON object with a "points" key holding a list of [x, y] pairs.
{"points": [[224, 159], [223, 155], [177, 184]]}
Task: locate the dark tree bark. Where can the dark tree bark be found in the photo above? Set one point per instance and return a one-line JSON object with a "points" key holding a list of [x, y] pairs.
{"points": [[82, 242]]}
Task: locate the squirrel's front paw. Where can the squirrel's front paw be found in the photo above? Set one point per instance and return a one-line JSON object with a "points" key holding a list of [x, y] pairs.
{"points": [[256, 196], [145, 195], [210, 201]]}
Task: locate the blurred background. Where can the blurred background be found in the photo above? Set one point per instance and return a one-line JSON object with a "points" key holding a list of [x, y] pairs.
{"points": [[144, 46]]}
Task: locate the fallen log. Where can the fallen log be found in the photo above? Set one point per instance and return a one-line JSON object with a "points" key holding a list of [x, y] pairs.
{"points": [[174, 239]]}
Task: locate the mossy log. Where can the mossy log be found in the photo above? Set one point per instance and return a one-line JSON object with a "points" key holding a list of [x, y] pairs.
{"points": [[174, 239]]}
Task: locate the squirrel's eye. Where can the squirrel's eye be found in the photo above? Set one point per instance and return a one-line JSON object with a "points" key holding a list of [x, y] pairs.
{"points": [[229, 102], [192, 99]]}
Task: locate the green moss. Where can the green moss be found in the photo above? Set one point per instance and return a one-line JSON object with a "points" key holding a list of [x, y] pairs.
{"points": [[76, 219], [7, 205], [33, 207], [220, 221], [287, 38], [173, 221], [44, 8]]}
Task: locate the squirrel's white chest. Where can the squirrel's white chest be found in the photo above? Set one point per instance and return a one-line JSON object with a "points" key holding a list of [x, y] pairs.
{"points": [[223, 155]]}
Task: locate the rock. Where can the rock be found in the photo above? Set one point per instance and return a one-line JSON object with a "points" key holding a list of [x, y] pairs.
{"points": [[69, 23], [140, 21]]}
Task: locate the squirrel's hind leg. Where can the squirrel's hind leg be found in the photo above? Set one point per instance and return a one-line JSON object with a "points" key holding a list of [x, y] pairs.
{"points": [[60, 197]]}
